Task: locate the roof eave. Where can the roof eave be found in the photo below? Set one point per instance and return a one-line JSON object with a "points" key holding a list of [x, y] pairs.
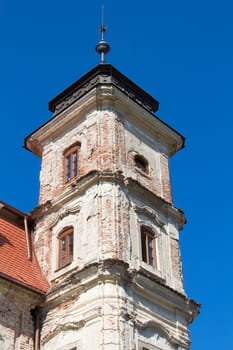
{"points": [[22, 284], [90, 79]]}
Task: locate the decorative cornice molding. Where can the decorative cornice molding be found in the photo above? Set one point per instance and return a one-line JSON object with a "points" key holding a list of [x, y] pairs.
{"points": [[147, 284], [149, 212], [41, 210], [102, 75], [132, 94], [103, 81], [63, 212], [76, 95], [117, 177], [162, 332], [58, 328], [103, 85], [164, 207]]}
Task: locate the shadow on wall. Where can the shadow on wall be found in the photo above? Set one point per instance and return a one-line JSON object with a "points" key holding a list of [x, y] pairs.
{"points": [[4, 240]]}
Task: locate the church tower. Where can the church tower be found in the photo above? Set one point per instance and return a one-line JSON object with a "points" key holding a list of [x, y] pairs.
{"points": [[106, 231]]}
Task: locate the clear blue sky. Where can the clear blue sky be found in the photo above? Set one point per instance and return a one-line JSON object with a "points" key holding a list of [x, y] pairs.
{"points": [[181, 52]]}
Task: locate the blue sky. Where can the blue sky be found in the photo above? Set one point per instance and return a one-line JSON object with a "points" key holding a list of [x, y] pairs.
{"points": [[181, 52]]}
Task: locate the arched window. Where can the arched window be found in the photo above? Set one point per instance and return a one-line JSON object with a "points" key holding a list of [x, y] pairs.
{"points": [[141, 163], [148, 246], [66, 247], [71, 162]]}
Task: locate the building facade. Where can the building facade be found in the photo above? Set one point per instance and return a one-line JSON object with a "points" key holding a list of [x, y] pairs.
{"points": [[106, 232], [22, 284]]}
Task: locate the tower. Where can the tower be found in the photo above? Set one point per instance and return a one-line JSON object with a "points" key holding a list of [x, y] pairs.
{"points": [[106, 231]]}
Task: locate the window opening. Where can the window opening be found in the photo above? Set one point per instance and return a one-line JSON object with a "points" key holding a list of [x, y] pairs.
{"points": [[141, 163], [66, 247], [71, 163], [148, 247]]}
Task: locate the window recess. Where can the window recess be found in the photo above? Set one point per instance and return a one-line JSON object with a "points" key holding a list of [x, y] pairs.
{"points": [[148, 244], [71, 162], [66, 247]]}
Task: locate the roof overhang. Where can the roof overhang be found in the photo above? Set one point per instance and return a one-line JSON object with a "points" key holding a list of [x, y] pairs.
{"points": [[13, 215], [104, 85], [102, 74]]}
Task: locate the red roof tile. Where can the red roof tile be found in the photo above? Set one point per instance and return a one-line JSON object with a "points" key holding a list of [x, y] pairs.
{"points": [[14, 262]]}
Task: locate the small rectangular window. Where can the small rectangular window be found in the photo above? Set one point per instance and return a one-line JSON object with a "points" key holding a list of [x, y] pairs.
{"points": [[148, 247], [66, 247], [68, 168], [71, 163]]}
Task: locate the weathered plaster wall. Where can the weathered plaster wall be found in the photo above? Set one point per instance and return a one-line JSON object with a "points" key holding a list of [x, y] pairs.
{"points": [[109, 141], [107, 222], [105, 310], [106, 226], [106, 205], [16, 322]]}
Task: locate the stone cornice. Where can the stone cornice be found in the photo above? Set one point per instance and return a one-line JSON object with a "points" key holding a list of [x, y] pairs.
{"points": [[158, 326], [64, 211], [149, 123], [95, 177], [149, 286], [117, 271], [148, 211], [34, 141], [159, 203]]}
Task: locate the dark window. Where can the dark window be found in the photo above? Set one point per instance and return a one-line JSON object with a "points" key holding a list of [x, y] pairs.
{"points": [[71, 162], [141, 163], [66, 247], [148, 247]]}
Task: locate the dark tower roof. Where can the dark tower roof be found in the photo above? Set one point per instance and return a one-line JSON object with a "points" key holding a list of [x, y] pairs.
{"points": [[105, 75], [102, 74]]}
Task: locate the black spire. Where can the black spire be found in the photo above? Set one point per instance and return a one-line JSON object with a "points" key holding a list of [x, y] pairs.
{"points": [[102, 47]]}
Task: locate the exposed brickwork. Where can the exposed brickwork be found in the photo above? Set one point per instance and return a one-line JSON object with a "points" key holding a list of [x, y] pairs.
{"points": [[90, 148], [176, 261], [106, 227], [43, 245], [108, 296], [105, 146], [165, 178]]}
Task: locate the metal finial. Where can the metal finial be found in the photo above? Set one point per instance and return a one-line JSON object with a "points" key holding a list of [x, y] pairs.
{"points": [[102, 47]]}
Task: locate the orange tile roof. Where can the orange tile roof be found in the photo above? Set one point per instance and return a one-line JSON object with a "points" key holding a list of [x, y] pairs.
{"points": [[14, 262]]}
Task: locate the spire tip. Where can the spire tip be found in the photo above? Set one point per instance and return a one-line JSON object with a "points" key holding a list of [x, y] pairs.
{"points": [[102, 47]]}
